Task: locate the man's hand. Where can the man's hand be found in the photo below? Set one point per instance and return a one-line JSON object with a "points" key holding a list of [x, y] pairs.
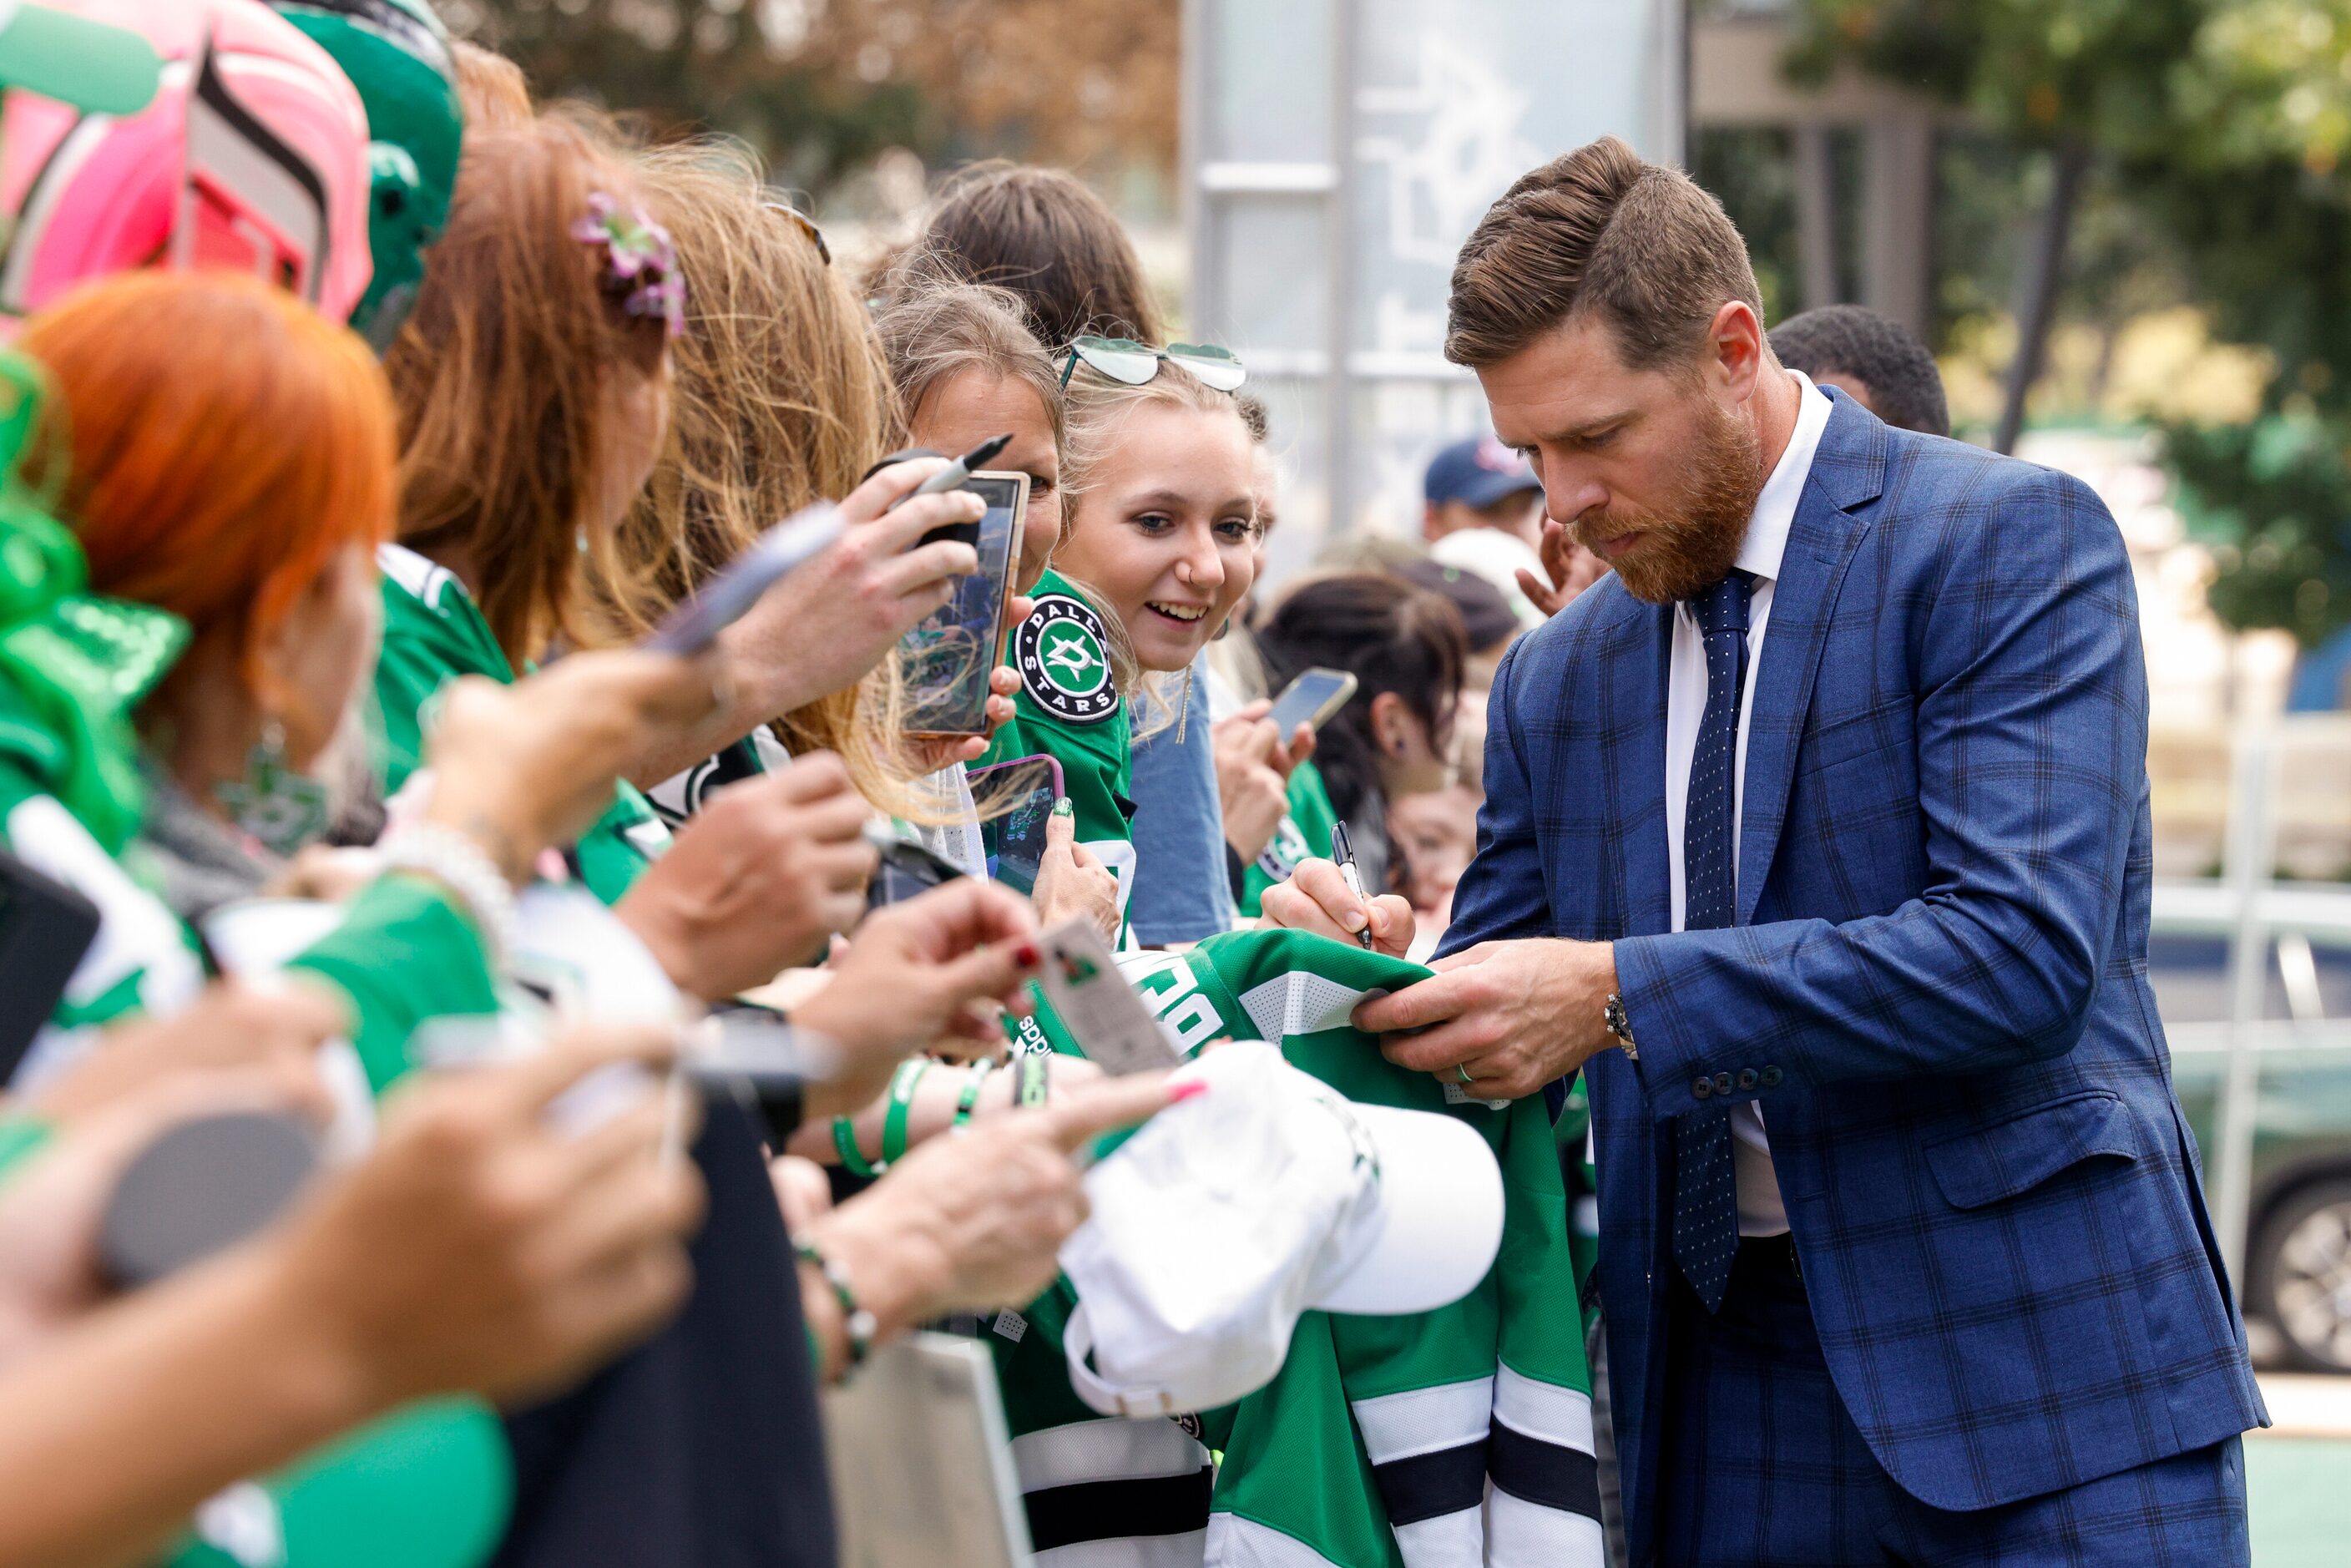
{"points": [[1571, 567], [757, 880], [1517, 1014], [1316, 899]]}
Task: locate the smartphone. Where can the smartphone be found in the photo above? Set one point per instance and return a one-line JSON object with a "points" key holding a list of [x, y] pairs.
{"points": [[1312, 699], [1107, 1017], [945, 661], [693, 624], [1014, 839], [45, 929], [905, 871]]}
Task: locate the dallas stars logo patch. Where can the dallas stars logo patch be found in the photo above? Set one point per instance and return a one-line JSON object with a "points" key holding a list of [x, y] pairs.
{"points": [[1060, 654]]}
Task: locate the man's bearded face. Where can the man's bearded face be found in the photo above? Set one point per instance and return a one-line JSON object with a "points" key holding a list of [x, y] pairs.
{"points": [[1686, 544]]}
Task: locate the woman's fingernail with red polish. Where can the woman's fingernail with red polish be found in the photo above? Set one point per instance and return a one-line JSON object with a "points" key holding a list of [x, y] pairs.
{"points": [[1190, 1089], [1027, 955]]}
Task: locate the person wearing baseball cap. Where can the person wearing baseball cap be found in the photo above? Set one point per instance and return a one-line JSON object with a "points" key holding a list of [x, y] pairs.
{"points": [[1484, 515]]}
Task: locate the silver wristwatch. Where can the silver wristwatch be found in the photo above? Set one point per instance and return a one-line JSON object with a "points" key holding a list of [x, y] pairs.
{"points": [[1612, 1013]]}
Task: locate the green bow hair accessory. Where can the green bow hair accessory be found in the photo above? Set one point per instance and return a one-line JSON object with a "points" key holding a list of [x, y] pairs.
{"points": [[72, 666]]}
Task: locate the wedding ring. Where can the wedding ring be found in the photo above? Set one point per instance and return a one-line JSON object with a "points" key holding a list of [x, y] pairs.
{"points": [[1462, 1070]]}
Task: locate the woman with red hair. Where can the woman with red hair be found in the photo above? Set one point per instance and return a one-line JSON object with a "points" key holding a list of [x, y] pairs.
{"points": [[223, 456]]}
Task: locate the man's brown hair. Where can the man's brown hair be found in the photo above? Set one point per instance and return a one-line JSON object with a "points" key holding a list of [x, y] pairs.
{"points": [[1597, 231]]}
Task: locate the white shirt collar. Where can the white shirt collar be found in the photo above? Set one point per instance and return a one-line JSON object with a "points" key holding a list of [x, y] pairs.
{"points": [[1775, 509]]}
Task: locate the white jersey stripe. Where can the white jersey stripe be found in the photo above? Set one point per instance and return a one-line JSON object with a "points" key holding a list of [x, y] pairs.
{"points": [[1186, 1551], [1116, 1449], [1449, 1541], [1561, 1416], [1237, 1542], [1424, 1421], [1298, 1002], [1522, 1534]]}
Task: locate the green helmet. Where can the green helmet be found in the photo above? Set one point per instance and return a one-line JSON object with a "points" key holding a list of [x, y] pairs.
{"points": [[396, 53]]}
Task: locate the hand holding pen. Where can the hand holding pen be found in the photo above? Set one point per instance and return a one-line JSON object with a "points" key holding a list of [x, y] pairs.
{"points": [[1343, 855]]}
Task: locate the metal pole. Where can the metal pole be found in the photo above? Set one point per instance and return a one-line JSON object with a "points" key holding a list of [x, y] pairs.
{"points": [[1339, 275], [1817, 219], [1191, 129], [2251, 852]]}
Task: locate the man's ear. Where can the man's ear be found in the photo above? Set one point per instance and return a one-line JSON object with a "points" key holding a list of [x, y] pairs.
{"points": [[1736, 349], [1432, 522]]}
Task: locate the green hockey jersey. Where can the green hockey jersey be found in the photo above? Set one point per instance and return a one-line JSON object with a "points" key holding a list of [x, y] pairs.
{"points": [[1462, 1436], [1068, 709], [1304, 832], [433, 634]]}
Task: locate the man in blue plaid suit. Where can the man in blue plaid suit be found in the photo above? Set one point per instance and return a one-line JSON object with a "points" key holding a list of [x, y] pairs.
{"points": [[1817, 837]]}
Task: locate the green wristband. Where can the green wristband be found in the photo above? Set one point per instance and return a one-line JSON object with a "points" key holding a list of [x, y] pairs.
{"points": [[970, 1098], [1035, 1077], [844, 1139], [902, 1099], [857, 1324]]}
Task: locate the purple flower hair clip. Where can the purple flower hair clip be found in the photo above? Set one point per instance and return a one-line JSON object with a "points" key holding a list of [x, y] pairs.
{"points": [[640, 260]]}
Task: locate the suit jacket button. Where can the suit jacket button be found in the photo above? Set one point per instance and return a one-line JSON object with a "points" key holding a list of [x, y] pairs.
{"points": [[1770, 1078], [1722, 1084], [1747, 1077], [1701, 1086]]}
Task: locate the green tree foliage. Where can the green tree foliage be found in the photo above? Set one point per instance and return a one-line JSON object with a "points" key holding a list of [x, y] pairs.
{"points": [[820, 87], [2221, 126]]}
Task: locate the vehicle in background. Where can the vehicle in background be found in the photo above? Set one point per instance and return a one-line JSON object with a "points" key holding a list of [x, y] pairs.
{"points": [[2296, 1285]]}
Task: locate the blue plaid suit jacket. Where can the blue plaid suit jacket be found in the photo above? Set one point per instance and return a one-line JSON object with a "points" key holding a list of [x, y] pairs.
{"points": [[1938, 980]]}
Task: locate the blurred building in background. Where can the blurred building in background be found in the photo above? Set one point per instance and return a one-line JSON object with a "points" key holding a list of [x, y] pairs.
{"points": [[1337, 152]]}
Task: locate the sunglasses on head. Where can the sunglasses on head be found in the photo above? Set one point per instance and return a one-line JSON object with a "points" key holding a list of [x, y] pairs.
{"points": [[806, 225], [1124, 359]]}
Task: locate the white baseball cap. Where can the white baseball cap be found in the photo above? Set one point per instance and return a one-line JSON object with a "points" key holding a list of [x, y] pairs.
{"points": [[1229, 1214]]}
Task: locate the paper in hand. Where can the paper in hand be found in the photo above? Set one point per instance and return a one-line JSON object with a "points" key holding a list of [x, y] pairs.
{"points": [[1102, 1012]]}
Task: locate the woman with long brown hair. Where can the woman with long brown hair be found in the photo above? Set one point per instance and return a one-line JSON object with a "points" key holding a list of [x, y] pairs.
{"points": [[533, 382], [779, 399]]}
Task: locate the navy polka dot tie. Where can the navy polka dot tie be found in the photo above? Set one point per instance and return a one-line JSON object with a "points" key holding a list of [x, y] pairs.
{"points": [[1705, 1195]]}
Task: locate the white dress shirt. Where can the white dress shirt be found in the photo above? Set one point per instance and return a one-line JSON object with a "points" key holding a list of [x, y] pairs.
{"points": [[1761, 1212]]}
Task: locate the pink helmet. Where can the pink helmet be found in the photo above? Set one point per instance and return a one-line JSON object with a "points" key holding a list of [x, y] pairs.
{"points": [[259, 164]]}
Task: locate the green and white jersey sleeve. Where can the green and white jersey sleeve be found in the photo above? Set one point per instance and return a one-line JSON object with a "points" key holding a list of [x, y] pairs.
{"points": [[1462, 1436], [1069, 709], [1304, 832], [433, 634]]}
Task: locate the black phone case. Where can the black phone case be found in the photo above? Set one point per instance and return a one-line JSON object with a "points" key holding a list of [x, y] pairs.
{"points": [[45, 929]]}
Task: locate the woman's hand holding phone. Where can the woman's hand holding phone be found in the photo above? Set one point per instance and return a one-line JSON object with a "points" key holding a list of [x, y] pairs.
{"points": [[1072, 882], [821, 628]]}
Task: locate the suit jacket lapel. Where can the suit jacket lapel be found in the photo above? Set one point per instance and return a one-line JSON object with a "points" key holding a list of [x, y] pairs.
{"points": [[1633, 697], [1847, 469]]}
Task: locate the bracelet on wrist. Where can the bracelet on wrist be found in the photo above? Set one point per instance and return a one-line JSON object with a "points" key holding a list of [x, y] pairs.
{"points": [[902, 1084], [852, 1158], [968, 1099], [858, 1326], [459, 864]]}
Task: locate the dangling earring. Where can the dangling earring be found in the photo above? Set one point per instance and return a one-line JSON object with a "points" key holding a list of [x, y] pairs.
{"points": [[1184, 709], [273, 804]]}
